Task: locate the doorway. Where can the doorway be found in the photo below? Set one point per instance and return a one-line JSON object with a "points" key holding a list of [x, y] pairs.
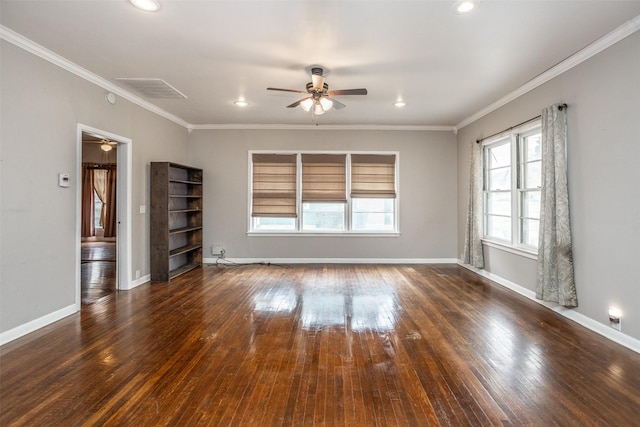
{"points": [[103, 219], [98, 259]]}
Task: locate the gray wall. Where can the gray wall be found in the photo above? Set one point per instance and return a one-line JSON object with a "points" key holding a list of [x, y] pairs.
{"points": [[603, 95], [427, 187], [41, 106]]}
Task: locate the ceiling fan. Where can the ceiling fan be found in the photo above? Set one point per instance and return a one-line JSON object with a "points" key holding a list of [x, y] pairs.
{"points": [[319, 100], [107, 145]]}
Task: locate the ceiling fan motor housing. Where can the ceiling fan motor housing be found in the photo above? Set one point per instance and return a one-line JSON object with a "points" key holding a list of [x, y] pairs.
{"points": [[311, 90]]}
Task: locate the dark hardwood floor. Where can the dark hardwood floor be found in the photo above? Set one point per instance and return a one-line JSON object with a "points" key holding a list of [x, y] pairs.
{"points": [[330, 345], [97, 270]]}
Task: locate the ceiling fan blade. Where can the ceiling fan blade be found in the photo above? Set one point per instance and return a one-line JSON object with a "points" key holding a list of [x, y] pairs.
{"points": [[318, 82], [337, 104], [347, 92], [286, 90], [295, 104]]}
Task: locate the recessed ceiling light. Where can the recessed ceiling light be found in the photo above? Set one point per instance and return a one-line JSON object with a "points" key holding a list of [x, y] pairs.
{"points": [[399, 104], [241, 103], [148, 5], [464, 6]]}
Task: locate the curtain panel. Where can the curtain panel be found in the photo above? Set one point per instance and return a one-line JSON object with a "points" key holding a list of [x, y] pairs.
{"points": [[555, 281], [100, 185], [110, 224], [473, 254], [88, 220]]}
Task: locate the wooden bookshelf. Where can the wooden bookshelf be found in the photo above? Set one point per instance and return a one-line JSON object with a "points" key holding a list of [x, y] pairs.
{"points": [[176, 220]]}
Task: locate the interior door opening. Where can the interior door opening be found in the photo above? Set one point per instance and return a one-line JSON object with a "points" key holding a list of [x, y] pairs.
{"points": [[103, 219], [98, 260]]}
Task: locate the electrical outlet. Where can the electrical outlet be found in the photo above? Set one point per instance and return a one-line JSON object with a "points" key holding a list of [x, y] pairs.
{"points": [[615, 318], [137, 274], [217, 249]]}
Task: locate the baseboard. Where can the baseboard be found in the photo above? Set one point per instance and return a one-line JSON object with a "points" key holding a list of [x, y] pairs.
{"points": [[589, 323], [140, 281], [332, 260], [36, 324]]}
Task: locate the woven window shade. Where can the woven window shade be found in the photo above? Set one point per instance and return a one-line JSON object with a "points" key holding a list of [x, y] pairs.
{"points": [[274, 185], [323, 178], [373, 176]]}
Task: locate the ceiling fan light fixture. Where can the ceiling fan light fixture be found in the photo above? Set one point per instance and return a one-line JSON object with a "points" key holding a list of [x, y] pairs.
{"points": [[318, 110], [105, 146], [146, 5], [326, 103], [306, 104]]}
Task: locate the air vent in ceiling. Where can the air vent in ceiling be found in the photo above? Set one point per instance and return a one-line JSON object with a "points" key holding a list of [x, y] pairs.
{"points": [[153, 88]]}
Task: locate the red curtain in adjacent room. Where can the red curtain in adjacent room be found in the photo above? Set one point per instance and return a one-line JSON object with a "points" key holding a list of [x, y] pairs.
{"points": [[88, 221], [110, 215]]}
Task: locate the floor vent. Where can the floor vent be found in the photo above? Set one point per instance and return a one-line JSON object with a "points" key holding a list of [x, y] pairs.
{"points": [[152, 88]]}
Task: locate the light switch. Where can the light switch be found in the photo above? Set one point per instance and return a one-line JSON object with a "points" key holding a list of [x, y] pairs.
{"points": [[143, 209], [63, 179]]}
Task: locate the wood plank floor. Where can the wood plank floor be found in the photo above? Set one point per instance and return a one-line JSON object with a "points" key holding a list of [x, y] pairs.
{"points": [[97, 270], [325, 345]]}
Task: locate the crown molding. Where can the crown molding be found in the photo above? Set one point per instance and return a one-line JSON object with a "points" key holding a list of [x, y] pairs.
{"points": [[319, 127], [52, 57], [608, 40]]}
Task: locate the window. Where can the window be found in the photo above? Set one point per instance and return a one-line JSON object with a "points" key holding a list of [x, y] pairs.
{"points": [[512, 181], [97, 210], [273, 204], [323, 192]]}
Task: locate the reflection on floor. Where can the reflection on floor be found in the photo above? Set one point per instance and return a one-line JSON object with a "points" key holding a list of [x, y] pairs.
{"points": [[98, 270]]}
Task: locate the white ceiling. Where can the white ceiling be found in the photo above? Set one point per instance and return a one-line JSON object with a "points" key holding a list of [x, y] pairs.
{"points": [[445, 66]]}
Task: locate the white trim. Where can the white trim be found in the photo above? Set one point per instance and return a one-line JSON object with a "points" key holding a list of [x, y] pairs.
{"points": [[52, 57], [258, 126], [332, 260], [511, 249], [324, 234], [141, 281], [589, 323], [34, 325], [620, 33]]}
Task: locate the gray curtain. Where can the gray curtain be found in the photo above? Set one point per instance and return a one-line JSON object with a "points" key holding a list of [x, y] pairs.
{"points": [[555, 259], [473, 234]]}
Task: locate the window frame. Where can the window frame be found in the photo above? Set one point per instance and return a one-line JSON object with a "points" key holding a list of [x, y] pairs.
{"points": [[515, 138], [348, 211]]}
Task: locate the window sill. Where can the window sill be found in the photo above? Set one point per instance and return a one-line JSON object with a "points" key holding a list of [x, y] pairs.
{"points": [[323, 234], [508, 248]]}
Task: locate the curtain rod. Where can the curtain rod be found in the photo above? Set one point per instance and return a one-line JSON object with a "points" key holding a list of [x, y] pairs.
{"points": [[478, 141]]}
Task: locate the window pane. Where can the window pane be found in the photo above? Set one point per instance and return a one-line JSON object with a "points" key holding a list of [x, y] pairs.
{"points": [[372, 214], [323, 216], [97, 210], [530, 228], [533, 175], [531, 204], [500, 179], [499, 227], [499, 203], [499, 156], [533, 147], [274, 224]]}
